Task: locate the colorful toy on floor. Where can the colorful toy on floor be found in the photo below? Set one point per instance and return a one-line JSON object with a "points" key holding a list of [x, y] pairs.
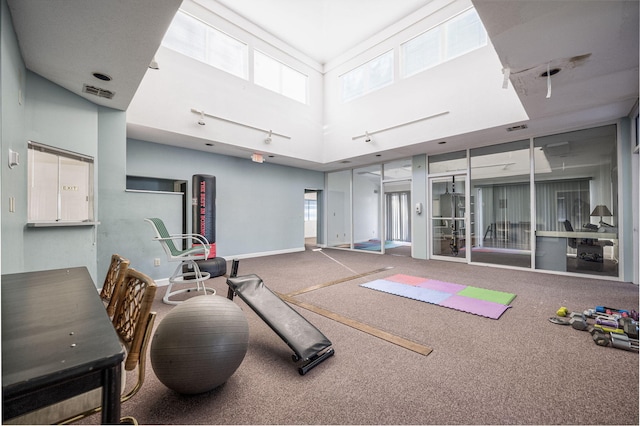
{"points": [[622, 341], [617, 328], [630, 327]]}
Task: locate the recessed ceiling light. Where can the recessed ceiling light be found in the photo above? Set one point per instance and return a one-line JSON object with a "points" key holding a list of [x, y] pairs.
{"points": [[345, 162], [101, 76], [552, 71], [442, 142], [208, 144]]}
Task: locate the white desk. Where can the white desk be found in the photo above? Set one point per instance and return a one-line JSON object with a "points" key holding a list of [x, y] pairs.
{"points": [[582, 234], [551, 247]]}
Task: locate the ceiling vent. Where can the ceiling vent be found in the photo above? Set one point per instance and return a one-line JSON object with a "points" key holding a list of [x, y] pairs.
{"points": [[102, 93], [519, 127]]}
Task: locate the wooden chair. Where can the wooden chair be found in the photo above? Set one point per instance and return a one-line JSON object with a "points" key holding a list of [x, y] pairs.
{"points": [[187, 271], [133, 321], [112, 281]]}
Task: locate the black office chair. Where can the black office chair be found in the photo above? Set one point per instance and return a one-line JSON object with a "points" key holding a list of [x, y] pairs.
{"points": [[571, 241], [589, 252]]}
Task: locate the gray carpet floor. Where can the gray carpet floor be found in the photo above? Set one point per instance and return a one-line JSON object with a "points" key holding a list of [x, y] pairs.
{"points": [[519, 369]]}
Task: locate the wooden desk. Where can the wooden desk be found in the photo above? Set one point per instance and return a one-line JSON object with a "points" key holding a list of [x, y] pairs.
{"points": [[57, 342]]}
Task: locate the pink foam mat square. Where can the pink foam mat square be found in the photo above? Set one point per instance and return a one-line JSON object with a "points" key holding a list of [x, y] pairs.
{"points": [[442, 286], [406, 279], [475, 306]]}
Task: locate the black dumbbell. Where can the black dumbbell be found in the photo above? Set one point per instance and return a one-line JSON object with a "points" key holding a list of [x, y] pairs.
{"points": [[629, 326], [600, 337], [578, 321]]}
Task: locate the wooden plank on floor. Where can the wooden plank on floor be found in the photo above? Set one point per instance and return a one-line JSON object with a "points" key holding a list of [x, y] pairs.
{"points": [[341, 280], [384, 335]]}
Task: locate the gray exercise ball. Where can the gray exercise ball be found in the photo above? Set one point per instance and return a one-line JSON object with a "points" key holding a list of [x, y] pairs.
{"points": [[199, 344]]}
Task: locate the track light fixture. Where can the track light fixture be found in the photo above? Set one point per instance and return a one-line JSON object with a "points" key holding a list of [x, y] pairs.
{"points": [[367, 138], [270, 133], [154, 64]]}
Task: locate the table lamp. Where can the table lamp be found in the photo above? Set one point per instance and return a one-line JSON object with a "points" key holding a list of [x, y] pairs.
{"points": [[601, 210]]}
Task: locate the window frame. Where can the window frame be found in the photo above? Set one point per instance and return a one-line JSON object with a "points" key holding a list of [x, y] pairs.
{"points": [[39, 214], [444, 39], [281, 77], [209, 52], [365, 70]]}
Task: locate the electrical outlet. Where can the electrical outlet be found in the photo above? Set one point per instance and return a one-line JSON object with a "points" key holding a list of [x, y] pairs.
{"points": [[156, 261]]}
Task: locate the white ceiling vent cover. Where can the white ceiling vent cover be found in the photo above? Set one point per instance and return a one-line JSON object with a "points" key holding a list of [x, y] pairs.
{"points": [[102, 93]]}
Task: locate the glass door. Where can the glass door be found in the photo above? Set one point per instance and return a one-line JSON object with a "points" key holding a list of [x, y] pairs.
{"points": [[447, 216], [367, 215]]}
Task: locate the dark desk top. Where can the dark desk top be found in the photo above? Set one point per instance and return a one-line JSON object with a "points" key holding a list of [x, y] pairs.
{"points": [[54, 327]]}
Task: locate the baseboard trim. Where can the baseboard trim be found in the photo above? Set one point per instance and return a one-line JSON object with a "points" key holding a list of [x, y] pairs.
{"points": [[161, 282], [262, 254]]}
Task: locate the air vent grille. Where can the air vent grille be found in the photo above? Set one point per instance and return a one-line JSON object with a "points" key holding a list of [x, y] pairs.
{"points": [[102, 93], [519, 127]]}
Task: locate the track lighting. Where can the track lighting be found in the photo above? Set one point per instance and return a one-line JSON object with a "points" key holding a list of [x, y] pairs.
{"points": [[270, 133], [367, 135]]}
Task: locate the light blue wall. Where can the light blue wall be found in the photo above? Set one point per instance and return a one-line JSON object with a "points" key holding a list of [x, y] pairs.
{"points": [[625, 187], [259, 207], [122, 228], [12, 87], [36, 109], [419, 225], [56, 117]]}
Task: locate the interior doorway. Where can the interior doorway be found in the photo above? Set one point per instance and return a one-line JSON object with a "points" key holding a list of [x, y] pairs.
{"points": [[312, 226], [448, 217], [397, 217]]}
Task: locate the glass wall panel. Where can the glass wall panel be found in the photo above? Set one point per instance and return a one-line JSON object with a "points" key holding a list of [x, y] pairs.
{"points": [[448, 163], [577, 201], [398, 214], [399, 169], [367, 223], [501, 207], [448, 231], [339, 209]]}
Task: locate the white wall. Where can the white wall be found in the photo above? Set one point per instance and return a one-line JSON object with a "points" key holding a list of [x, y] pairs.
{"points": [[469, 88], [166, 96]]}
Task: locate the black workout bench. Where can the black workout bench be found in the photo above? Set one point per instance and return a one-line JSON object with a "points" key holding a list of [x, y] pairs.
{"points": [[309, 345]]}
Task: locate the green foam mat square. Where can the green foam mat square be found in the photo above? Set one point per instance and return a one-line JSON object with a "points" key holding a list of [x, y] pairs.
{"points": [[488, 295]]}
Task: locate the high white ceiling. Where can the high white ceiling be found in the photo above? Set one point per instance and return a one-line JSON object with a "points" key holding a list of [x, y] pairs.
{"points": [[324, 29], [593, 43]]}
